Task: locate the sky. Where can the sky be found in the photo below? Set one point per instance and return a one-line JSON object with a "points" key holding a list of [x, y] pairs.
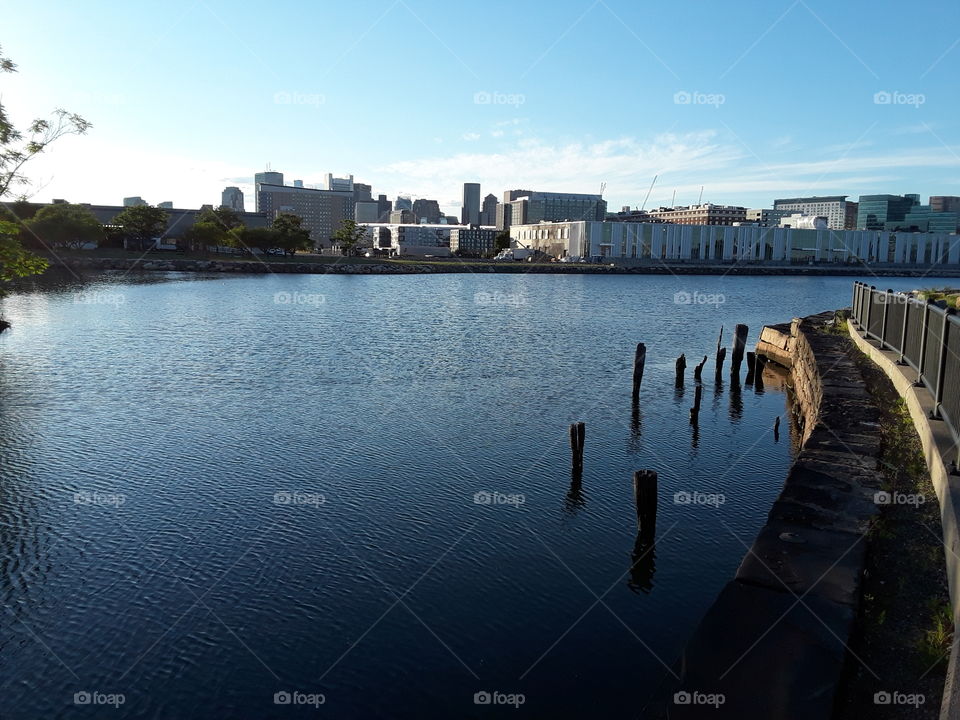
{"points": [[749, 100]]}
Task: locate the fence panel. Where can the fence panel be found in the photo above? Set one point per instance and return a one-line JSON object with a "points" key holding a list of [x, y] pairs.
{"points": [[931, 353], [911, 350], [877, 303], [950, 407], [895, 310]]}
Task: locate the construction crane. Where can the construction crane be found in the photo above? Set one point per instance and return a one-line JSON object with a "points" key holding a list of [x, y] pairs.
{"points": [[649, 190]]}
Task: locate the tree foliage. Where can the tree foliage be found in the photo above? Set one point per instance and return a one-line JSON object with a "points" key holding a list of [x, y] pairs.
{"points": [[292, 235], [15, 261], [64, 226], [141, 224], [348, 236]]}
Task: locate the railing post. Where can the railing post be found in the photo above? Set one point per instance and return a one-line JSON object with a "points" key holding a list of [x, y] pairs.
{"points": [[883, 324], [941, 366], [855, 314], [921, 361], [903, 335], [866, 321]]}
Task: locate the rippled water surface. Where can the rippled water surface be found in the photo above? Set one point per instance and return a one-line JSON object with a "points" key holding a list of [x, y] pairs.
{"points": [[147, 426]]}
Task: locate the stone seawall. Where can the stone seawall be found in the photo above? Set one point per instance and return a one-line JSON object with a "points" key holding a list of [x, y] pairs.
{"points": [[154, 262], [773, 645]]}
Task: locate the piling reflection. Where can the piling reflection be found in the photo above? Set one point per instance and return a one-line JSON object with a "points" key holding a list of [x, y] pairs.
{"points": [[643, 564], [736, 398], [636, 428], [575, 500]]}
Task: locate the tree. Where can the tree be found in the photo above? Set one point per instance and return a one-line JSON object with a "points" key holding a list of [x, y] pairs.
{"points": [[141, 224], [251, 239], [225, 217], [292, 235], [502, 241], [203, 234], [17, 148], [15, 151], [65, 225], [348, 236]]}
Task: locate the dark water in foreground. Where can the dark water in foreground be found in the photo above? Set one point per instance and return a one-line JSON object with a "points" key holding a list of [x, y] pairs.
{"points": [[146, 429]]}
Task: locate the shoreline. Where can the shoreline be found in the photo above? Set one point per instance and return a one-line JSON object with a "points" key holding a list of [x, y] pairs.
{"points": [[352, 267]]}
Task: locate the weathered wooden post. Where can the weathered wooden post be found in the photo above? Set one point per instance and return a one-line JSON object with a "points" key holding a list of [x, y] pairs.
{"points": [[645, 498], [699, 369], [639, 360], [720, 356], [577, 433], [681, 368], [695, 410], [760, 363], [776, 429], [751, 367], [720, 340], [739, 343]]}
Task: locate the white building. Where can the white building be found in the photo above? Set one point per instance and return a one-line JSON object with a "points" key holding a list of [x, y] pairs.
{"points": [[639, 243], [840, 212], [411, 239], [804, 222]]}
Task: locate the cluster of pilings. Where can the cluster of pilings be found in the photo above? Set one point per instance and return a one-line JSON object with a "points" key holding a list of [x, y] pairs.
{"points": [[645, 481]]}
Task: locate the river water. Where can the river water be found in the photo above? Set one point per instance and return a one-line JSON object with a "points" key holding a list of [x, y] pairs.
{"points": [[221, 493]]}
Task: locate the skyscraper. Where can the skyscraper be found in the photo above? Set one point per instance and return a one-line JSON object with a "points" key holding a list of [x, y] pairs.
{"points": [[403, 202], [269, 177], [470, 212], [426, 210], [875, 211], [488, 215], [322, 211], [232, 197]]}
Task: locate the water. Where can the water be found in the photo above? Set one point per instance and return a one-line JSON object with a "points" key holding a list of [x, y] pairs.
{"points": [[146, 427]]}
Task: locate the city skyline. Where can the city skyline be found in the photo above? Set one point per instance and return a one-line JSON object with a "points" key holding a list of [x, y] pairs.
{"points": [[797, 100]]}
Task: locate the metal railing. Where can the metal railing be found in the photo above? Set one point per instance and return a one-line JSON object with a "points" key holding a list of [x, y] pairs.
{"points": [[926, 334]]}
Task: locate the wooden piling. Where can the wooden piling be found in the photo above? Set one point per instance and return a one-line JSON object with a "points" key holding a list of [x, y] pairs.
{"points": [[645, 498], [751, 367], [695, 410], [681, 368], [739, 344], [577, 433], [699, 369], [720, 340], [776, 429], [639, 360], [721, 354]]}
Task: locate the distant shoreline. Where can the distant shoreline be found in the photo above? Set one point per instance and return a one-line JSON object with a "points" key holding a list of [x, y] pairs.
{"points": [[350, 266]]}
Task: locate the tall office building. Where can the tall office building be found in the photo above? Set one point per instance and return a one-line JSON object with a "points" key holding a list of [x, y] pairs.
{"points": [[322, 211], [875, 211], [340, 184], [426, 211], [488, 213], [383, 208], [269, 178], [470, 211], [538, 207], [944, 203], [134, 201], [403, 202], [165, 205], [362, 192], [232, 197], [839, 211], [505, 209]]}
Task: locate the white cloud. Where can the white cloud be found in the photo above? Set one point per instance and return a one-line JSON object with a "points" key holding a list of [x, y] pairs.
{"points": [[471, 136]]}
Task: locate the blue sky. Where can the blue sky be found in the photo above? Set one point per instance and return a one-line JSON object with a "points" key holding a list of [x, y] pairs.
{"points": [[751, 99]]}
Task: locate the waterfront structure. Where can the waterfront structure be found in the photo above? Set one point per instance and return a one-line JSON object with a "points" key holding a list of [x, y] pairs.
{"points": [[703, 214], [232, 197], [268, 177], [426, 211], [639, 243], [488, 211], [470, 212], [134, 201], [401, 239], [875, 211], [473, 240], [840, 212], [322, 211]]}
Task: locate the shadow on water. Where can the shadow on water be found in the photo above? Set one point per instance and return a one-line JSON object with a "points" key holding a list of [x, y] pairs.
{"points": [[736, 397], [575, 500], [643, 563], [636, 429]]}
